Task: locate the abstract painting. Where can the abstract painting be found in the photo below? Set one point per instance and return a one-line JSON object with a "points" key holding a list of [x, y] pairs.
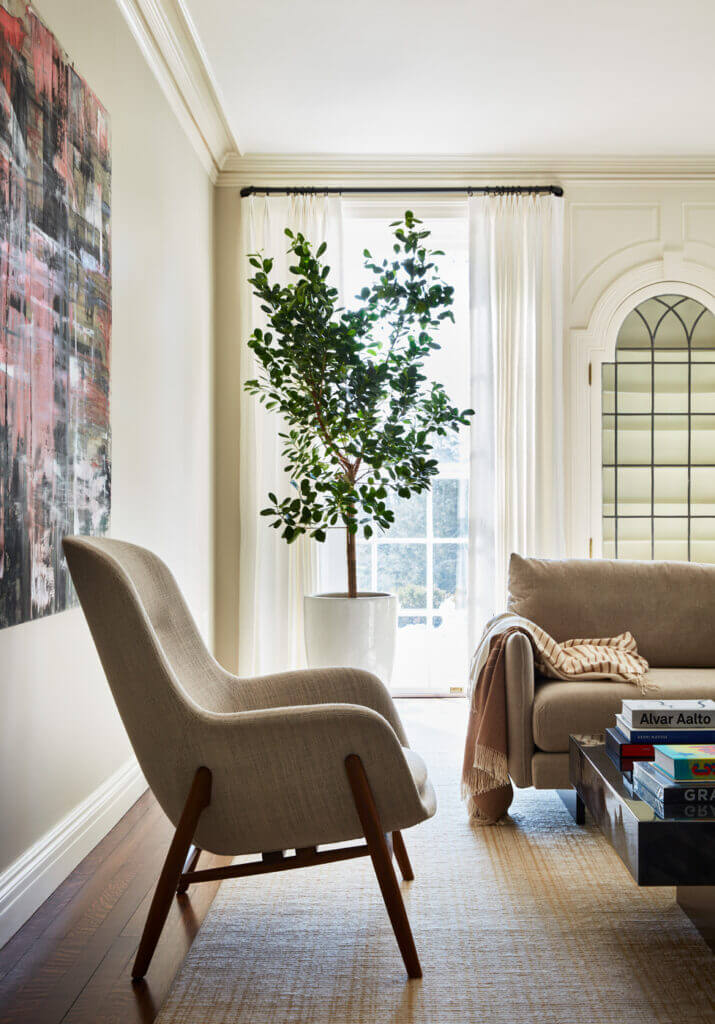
{"points": [[55, 315]]}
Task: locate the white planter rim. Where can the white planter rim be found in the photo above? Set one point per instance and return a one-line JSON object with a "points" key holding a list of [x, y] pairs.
{"points": [[343, 596]]}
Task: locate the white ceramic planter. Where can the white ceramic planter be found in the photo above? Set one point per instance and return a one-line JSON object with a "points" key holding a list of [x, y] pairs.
{"points": [[359, 632]]}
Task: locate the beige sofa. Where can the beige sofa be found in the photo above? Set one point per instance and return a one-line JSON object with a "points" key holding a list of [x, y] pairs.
{"points": [[668, 606]]}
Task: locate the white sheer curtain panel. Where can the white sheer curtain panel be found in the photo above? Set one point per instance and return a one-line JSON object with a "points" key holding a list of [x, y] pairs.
{"points": [[516, 492], [273, 576]]}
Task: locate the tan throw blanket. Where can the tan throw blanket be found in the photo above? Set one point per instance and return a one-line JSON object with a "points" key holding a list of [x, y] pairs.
{"points": [[485, 777]]}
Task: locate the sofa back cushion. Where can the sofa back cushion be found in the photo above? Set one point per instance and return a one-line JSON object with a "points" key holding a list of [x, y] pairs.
{"points": [[669, 607]]}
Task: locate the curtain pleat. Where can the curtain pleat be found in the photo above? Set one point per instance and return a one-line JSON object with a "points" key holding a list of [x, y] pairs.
{"points": [[516, 325], [273, 576]]}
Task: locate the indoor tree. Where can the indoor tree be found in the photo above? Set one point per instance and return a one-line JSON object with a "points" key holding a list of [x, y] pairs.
{"points": [[360, 415]]}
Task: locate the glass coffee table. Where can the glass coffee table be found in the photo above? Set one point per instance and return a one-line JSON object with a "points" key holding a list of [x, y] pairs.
{"points": [[676, 851]]}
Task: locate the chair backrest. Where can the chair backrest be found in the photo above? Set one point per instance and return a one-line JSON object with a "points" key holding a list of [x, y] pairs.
{"points": [[156, 663], [669, 607]]}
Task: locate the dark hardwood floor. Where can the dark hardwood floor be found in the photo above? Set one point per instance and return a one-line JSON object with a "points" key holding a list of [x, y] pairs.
{"points": [[71, 961]]}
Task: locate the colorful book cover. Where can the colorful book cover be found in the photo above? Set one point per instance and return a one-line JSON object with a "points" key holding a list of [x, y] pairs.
{"points": [[669, 714], [664, 735], [685, 761]]}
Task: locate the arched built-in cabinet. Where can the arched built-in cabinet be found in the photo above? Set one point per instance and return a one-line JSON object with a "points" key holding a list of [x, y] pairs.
{"points": [[658, 433], [652, 458]]}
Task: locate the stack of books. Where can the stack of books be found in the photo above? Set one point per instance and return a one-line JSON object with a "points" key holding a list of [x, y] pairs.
{"points": [[644, 724], [666, 750], [679, 782]]}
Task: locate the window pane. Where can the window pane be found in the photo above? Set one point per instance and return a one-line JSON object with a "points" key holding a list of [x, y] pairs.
{"points": [[609, 490], [634, 440], [671, 539], [671, 387], [634, 538], [634, 491], [608, 438], [450, 575], [670, 444], [670, 491], [449, 508], [702, 440], [702, 491], [703, 388], [702, 540], [633, 384], [410, 516], [402, 570], [704, 333]]}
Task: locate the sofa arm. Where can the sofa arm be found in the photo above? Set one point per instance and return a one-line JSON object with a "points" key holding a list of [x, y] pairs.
{"points": [[519, 707]]}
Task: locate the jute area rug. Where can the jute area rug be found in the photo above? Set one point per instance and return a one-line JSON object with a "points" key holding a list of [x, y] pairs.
{"points": [[536, 920]]}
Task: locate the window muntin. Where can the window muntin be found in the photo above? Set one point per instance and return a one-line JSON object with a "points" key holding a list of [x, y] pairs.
{"points": [[658, 434]]}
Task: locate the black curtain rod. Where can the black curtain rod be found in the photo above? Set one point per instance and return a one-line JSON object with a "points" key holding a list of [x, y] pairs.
{"points": [[554, 190]]}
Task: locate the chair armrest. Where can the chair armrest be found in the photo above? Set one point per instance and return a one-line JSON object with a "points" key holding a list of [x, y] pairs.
{"points": [[519, 707], [321, 686], [279, 779]]}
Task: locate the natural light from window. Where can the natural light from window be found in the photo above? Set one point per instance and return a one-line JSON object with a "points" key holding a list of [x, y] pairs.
{"points": [[423, 557]]}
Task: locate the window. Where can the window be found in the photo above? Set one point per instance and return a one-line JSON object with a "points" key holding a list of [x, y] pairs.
{"points": [[658, 434], [423, 557]]}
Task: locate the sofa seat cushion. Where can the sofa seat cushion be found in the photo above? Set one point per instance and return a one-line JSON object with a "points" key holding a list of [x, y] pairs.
{"points": [[561, 709]]}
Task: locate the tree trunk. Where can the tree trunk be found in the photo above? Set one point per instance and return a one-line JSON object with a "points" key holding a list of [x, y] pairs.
{"points": [[352, 563]]}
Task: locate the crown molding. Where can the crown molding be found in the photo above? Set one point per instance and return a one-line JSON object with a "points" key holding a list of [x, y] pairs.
{"points": [[171, 46], [432, 171]]}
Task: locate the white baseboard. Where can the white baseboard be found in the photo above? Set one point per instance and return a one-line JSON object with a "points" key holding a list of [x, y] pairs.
{"points": [[29, 880]]}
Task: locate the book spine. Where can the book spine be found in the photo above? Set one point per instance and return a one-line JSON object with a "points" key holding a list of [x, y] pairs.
{"points": [[623, 754], [623, 764], [676, 795], [674, 736], [684, 770], [665, 810]]}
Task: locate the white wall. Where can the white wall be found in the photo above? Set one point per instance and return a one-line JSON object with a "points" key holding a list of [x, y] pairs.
{"points": [[624, 242], [60, 735]]}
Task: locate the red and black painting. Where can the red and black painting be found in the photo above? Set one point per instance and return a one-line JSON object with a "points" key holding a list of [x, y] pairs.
{"points": [[55, 315]]}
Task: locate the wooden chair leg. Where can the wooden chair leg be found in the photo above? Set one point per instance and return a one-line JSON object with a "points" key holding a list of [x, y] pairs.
{"points": [[190, 864], [398, 845], [382, 862], [199, 797]]}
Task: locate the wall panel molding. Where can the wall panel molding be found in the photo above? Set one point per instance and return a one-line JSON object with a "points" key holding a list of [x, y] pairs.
{"points": [[170, 44], [601, 231]]}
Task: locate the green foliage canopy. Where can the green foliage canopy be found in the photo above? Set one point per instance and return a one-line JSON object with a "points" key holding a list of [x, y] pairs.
{"points": [[359, 413]]}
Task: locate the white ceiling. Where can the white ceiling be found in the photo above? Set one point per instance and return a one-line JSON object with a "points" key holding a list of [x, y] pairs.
{"points": [[484, 77]]}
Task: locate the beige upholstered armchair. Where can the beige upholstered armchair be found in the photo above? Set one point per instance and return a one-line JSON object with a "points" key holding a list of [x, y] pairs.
{"points": [[280, 763]]}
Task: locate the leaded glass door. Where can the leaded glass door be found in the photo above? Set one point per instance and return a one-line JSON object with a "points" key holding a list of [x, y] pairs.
{"points": [[658, 434]]}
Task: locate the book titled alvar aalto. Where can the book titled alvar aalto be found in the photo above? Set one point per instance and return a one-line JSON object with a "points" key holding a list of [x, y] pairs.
{"points": [[687, 761], [653, 735], [669, 714]]}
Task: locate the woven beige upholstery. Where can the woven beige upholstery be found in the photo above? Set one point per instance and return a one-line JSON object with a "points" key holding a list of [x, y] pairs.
{"points": [[275, 745]]}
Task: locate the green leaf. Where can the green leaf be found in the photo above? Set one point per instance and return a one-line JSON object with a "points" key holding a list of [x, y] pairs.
{"points": [[360, 416]]}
